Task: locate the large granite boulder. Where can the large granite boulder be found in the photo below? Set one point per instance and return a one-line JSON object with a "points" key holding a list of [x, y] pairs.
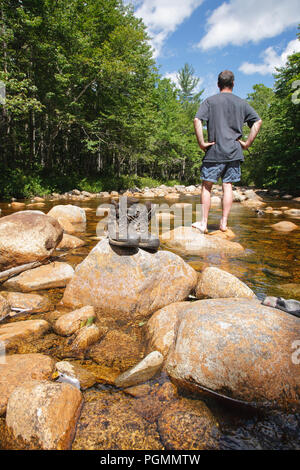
{"points": [[189, 241], [27, 236], [239, 349], [71, 218], [129, 285]]}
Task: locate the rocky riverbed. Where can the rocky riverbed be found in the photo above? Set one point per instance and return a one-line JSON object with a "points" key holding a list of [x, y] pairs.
{"points": [[171, 350]]}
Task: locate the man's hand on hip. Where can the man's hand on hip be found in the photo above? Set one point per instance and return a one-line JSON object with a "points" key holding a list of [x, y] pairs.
{"points": [[205, 145]]}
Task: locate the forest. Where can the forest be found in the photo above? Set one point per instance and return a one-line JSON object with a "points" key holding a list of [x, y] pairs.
{"points": [[86, 106]]}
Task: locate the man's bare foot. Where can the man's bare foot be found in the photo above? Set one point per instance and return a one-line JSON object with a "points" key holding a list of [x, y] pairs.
{"points": [[201, 226], [223, 225]]}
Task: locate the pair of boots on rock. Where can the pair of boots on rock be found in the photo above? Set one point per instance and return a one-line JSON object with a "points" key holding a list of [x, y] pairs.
{"points": [[128, 224]]}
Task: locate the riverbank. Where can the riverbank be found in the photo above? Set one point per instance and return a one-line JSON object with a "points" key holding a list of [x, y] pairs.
{"points": [[96, 344]]}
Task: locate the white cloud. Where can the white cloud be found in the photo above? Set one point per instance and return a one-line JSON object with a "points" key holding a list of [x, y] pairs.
{"points": [[162, 17], [238, 22], [271, 59]]}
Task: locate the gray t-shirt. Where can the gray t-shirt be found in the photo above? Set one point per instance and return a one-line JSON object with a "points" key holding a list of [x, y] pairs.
{"points": [[225, 114]]}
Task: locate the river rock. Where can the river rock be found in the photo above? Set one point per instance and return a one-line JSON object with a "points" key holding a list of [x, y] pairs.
{"points": [[70, 242], [109, 422], [292, 212], [215, 283], [85, 337], [253, 203], [27, 236], [17, 205], [51, 275], [12, 333], [215, 201], [228, 234], [285, 226], [129, 284], [43, 415], [143, 371], [118, 351], [71, 218], [4, 307], [84, 376], [188, 425], [172, 196], [69, 323], [189, 240], [19, 368], [239, 349], [160, 329], [32, 303]]}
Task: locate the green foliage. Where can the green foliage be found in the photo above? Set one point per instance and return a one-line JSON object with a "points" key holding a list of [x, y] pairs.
{"points": [[86, 108], [275, 156]]}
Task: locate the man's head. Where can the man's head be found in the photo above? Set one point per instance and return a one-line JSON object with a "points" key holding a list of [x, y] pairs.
{"points": [[225, 80]]}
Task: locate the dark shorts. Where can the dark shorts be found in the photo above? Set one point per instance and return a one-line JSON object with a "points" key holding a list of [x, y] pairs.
{"points": [[229, 172]]}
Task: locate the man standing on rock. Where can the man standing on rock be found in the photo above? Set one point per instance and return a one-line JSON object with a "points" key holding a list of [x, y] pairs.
{"points": [[225, 114]]}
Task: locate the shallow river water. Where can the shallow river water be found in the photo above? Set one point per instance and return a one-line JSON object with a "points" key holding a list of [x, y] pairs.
{"points": [[271, 267]]}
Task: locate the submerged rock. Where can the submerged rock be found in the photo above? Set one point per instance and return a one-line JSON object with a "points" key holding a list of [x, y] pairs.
{"points": [[27, 236], [188, 425], [109, 422], [71, 218], [117, 351], [215, 283], [285, 226], [19, 368], [189, 240], [239, 349], [49, 276], [126, 284], [43, 415], [141, 372]]}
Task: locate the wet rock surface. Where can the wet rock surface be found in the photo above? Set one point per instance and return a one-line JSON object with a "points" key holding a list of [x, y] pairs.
{"points": [[43, 415], [238, 349], [19, 368], [52, 275], [110, 422], [129, 284], [189, 240], [215, 283], [27, 236]]}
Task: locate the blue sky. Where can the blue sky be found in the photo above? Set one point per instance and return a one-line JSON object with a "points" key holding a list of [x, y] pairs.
{"points": [[249, 37]]}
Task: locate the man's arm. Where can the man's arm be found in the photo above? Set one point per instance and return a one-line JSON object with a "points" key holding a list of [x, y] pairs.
{"points": [[199, 134], [252, 136]]}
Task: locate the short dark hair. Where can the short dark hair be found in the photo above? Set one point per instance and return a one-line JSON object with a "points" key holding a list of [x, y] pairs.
{"points": [[225, 79]]}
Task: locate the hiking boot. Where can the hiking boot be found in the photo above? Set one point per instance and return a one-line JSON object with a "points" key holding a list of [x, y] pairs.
{"points": [[119, 231], [140, 216]]}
